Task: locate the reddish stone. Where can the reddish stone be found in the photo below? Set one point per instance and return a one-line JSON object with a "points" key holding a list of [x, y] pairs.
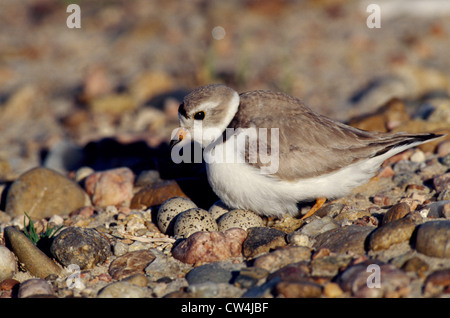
{"points": [[208, 247], [111, 187]]}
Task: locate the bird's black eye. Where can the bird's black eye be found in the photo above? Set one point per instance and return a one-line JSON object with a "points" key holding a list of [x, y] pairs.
{"points": [[199, 115]]}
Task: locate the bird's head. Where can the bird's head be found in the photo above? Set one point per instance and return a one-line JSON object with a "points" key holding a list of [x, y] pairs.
{"points": [[205, 114]]}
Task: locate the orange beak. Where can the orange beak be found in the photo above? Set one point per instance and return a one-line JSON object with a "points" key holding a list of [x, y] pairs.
{"points": [[181, 135]]}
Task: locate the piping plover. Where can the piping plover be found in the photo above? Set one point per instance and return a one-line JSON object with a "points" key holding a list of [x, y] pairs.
{"points": [[311, 156]]}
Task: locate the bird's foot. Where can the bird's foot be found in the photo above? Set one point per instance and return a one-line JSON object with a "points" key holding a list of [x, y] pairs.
{"points": [[317, 206]]}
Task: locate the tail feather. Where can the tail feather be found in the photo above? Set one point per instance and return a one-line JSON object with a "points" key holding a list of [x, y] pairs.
{"points": [[405, 140]]}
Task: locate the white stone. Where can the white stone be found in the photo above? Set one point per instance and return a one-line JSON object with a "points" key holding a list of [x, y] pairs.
{"points": [[8, 265]]}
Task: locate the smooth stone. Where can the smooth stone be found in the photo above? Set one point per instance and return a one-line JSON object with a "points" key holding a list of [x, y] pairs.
{"points": [[34, 287], [282, 257], [346, 239], [391, 233], [34, 260], [442, 182], [393, 282], [250, 276], [123, 289], [436, 282], [433, 239], [194, 220], [396, 212], [416, 265], [110, 187], [261, 240], [329, 266], [213, 273], [243, 219], [42, 192], [207, 247], [156, 194], [446, 160], [8, 265], [83, 247], [213, 290], [130, 264], [330, 210], [298, 290], [164, 266], [318, 226], [292, 272], [169, 210]]}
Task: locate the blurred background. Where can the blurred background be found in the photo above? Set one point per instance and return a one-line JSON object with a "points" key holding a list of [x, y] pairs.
{"points": [[107, 94]]}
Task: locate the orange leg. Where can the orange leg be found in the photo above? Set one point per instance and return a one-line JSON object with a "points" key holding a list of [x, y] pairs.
{"points": [[317, 206]]}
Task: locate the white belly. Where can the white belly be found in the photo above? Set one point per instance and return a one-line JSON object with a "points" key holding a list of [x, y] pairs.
{"points": [[240, 185]]}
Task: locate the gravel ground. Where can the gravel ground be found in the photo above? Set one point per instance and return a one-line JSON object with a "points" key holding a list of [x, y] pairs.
{"points": [[86, 116]]}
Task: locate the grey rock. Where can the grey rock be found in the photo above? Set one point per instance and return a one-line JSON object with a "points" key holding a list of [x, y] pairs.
{"points": [[209, 273], [350, 238], [34, 288], [83, 247], [433, 239], [123, 289]]}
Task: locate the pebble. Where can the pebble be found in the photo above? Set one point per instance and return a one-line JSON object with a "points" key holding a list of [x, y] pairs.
{"points": [[330, 265], [282, 257], [330, 210], [435, 210], [396, 212], [218, 209], [442, 182], [82, 173], [345, 239], [207, 247], [193, 220], [291, 273], [110, 187], [123, 289], [42, 192], [243, 219], [298, 290], [332, 290], [164, 266], [433, 239], [393, 282], [444, 195], [130, 264], [169, 210], [34, 260], [394, 232], [34, 288], [156, 194], [83, 247], [261, 240], [436, 282], [318, 226], [250, 277], [418, 156], [8, 265], [443, 149], [416, 265], [214, 273], [446, 160]]}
